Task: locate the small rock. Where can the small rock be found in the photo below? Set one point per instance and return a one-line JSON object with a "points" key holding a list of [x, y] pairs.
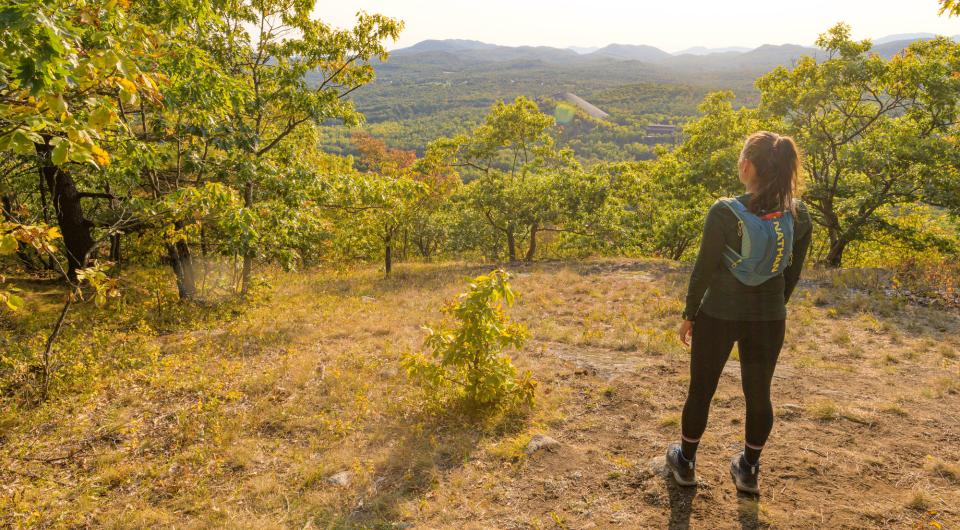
{"points": [[658, 466], [388, 372], [341, 479], [541, 441]]}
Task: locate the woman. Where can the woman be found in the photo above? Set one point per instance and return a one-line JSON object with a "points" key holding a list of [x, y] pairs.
{"points": [[727, 304]]}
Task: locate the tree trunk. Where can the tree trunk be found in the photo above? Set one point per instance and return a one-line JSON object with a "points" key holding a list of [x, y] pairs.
{"points": [[511, 245], [834, 257], [182, 264], [185, 287], [838, 241], [422, 247], [66, 203], [115, 255], [247, 273], [532, 249], [203, 258], [387, 255], [41, 184]]}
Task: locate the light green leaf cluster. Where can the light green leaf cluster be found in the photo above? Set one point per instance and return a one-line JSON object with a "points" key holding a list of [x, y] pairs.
{"points": [[68, 94]]}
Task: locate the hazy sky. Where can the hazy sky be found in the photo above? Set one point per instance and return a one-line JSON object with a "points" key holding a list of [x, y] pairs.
{"points": [[668, 24]]}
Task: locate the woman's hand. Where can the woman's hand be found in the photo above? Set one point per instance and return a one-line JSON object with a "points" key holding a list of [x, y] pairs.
{"points": [[686, 332]]}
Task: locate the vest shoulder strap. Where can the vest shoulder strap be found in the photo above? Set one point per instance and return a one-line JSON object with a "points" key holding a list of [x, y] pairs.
{"points": [[737, 207]]}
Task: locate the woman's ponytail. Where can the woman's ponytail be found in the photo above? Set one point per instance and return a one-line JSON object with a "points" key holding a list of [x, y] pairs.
{"points": [[777, 161]]}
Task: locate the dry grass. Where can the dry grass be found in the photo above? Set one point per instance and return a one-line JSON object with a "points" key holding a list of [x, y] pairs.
{"points": [[940, 468], [223, 419], [824, 410]]}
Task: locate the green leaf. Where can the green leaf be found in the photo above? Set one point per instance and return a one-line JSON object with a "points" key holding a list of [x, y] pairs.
{"points": [[54, 40], [57, 104], [100, 118], [21, 143], [14, 302], [8, 244], [59, 155]]}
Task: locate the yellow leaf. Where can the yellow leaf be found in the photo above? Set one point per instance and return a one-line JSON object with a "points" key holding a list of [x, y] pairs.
{"points": [[101, 157], [14, 302], [127, 85]]}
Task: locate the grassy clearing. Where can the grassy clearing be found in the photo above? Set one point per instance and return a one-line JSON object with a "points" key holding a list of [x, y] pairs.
{"points": [[293, 412]]}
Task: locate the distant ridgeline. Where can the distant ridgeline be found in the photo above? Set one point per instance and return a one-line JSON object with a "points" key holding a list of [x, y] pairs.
{"points": [[612, 102]]}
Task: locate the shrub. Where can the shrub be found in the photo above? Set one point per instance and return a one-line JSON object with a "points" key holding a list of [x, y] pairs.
{"points": [[932, 282], [466, 360]]}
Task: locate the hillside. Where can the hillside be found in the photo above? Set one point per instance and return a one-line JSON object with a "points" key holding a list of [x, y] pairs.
{"points": [[253, 277], [620, 59], [455, 81], [293, 412]]}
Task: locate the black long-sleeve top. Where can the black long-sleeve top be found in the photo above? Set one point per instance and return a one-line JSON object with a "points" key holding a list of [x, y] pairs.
{"points": [[715, 291]]}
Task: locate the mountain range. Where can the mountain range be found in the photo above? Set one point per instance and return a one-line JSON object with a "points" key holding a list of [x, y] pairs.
{"points": [[698, 58], [447, 81]]}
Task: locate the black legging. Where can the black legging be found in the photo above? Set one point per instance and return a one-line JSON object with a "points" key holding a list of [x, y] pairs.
{"points": [[713, 339]]}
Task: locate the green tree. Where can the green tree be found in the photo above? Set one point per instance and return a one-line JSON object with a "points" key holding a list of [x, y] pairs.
{"points": [[873, 130], [293, 71], [174, 146], [512, 160], [379, 212], [943, 190], [466, 359], [670, 195], [429, 226], [67, 69]]}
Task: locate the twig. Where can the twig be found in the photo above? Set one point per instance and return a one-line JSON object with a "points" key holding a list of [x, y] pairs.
{"points": [[34, 476], [49, 346]]}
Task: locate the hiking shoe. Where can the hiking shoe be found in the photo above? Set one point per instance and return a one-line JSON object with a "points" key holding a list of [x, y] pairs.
{"points": [[744, 475], [684, 471]]}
